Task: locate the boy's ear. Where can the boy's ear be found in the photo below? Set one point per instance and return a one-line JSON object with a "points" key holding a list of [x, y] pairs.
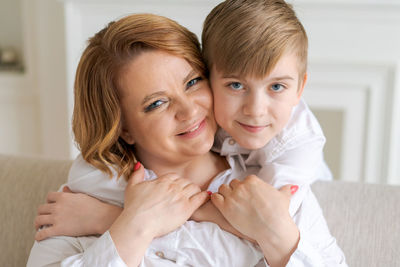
{"points": [[127, 137], [302, 84]]}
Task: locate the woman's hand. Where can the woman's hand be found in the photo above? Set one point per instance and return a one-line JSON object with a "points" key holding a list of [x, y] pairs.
{"points": [[259, 211], [152, 209], [73, 214]]}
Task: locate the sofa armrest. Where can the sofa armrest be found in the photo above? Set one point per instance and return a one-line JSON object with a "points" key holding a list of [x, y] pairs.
{"points": [[25, 183], [365, 219]]}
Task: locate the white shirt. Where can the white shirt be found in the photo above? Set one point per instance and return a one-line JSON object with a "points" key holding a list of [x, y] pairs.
{"points": [[294, 156], [193, 244]]}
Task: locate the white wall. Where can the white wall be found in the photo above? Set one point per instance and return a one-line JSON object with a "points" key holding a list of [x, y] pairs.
{"points": [[33, 107], [51, 74], [353, 77], [354, 67], [19, 117]]}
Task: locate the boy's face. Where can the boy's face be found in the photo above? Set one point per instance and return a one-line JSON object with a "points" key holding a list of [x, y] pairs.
{"points": [[253, 111]]}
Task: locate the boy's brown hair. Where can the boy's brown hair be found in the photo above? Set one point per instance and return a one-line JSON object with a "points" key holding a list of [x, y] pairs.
{"points": [[97, 116], [248, 37]]}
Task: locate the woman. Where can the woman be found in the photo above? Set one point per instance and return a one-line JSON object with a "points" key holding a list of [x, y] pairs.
{"points": [[140, 92]]}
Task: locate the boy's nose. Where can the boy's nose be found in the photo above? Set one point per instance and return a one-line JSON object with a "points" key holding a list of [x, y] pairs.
{"points": [[256, 105]]}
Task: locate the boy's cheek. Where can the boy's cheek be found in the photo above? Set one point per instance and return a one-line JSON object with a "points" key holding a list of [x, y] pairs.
{"points": [[218, 111], [222, 105], [219, 100], [218, 96], [221, 116]]}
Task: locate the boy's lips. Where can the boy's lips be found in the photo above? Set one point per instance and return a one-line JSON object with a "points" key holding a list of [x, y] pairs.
{"points": [[253, 129]]}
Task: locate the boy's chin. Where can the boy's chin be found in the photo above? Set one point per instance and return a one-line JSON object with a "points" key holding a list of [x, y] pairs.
{"points": [[252, 144]]}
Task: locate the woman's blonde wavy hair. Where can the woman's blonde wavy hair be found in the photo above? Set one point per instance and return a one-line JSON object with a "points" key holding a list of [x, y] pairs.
{"points": [[96, 121]]}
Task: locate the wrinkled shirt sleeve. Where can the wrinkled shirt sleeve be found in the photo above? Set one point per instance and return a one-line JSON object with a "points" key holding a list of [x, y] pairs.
{"points": [[87, 250], [298, 165], [316, 247], [69, 251]]}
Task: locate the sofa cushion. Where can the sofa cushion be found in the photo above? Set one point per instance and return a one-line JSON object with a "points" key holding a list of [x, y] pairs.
{"points": [[25, 183], [365, 219]]}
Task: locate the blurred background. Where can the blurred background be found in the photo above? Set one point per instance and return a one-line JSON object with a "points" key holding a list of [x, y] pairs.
{"points": [[353, 87]]}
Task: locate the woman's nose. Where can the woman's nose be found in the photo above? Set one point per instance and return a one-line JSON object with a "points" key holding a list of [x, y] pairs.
{"points": [[186, 109]]}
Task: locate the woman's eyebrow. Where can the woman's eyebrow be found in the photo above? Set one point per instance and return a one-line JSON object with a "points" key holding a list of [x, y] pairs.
{"points": [[189, 75], [153, 95]]}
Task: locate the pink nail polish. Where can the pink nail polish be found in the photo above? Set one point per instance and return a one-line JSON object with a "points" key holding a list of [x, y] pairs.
{"points": [[137, 166], [293, 189]]}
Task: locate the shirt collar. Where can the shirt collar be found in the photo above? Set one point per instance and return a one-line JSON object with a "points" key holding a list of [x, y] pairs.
{"points": [[225, 145]]}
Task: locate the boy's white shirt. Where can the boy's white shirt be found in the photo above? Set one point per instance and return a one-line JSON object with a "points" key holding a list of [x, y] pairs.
{"points": [[192, 244], [294, 156]]}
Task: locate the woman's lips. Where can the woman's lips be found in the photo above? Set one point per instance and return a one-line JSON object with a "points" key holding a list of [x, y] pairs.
{"points": [[253, 129], [195, 131]]}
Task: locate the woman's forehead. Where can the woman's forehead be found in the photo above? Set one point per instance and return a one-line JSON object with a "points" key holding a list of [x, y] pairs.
{"points": [[152, 71]]}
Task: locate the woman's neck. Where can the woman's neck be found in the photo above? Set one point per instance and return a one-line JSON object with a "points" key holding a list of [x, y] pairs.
{"points": [[200, 170]]}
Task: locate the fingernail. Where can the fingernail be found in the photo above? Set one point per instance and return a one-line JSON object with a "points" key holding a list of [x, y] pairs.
{"points": [[209, 193], [293, 189], [137, 166]]}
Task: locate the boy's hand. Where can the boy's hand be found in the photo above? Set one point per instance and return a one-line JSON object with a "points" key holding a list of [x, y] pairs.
{"points": [[209, 213], [73, 214], [258, 210]]}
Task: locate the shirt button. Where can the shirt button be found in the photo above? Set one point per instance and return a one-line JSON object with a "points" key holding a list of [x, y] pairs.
{"points": [[231, 142], [160, 254]]}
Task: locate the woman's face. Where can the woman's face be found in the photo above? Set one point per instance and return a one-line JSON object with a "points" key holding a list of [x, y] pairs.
{"points": [[166, 109]]}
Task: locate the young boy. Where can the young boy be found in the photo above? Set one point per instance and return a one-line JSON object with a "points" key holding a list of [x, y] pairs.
{"points": [[256, 52]]}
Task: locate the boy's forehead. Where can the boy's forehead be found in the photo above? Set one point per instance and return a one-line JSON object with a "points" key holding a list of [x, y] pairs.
{"points": [[288, 60], [274, 73]]}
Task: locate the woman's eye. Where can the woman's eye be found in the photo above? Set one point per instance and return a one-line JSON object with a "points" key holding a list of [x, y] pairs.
{"points": [[193, 82], [277, 87], [154, 105], [236, 86]]}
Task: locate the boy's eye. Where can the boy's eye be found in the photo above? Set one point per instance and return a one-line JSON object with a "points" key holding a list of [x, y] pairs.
{"points": [[277, 87], [156, 104], [193, 82], [236, 86]]}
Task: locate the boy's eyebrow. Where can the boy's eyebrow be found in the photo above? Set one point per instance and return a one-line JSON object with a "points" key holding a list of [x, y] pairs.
{"points": [[153, 95], [287, 77], [229, 76]]}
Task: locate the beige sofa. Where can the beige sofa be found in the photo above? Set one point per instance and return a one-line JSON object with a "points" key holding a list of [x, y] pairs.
{"points": [[365, 219]]}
